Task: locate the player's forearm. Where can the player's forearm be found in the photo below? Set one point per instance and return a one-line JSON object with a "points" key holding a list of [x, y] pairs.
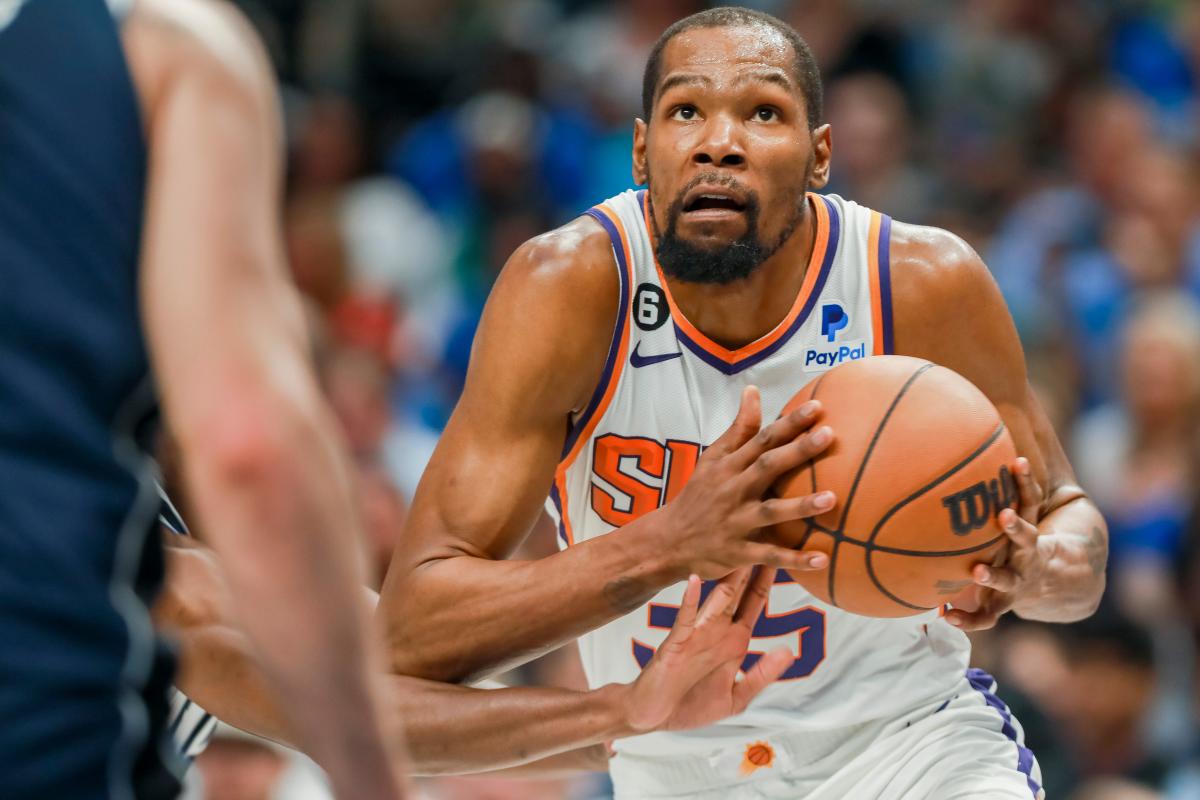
{"points": [[1074, 538], [280, 516], [450, 729], [464, 617], [454, 729]]}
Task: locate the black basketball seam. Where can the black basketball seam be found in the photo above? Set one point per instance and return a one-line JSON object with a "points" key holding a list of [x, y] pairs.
{"points": [[870, 547], [808, 530], [862, 467], [929, 553]]}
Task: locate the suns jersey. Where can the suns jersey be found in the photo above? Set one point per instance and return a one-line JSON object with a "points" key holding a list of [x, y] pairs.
{"points": [[666, 392]]}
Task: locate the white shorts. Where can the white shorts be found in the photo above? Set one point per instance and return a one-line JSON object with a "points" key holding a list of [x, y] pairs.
{"points": [[968, 747]]}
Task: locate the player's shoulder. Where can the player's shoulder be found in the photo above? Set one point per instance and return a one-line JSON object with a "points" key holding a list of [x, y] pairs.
{"points": [[207, 43], [555, 303], [928, 263], [574, 257], [571, 268]]}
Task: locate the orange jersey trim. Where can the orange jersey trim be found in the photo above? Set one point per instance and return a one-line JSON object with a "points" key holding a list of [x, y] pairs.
{"points": [[873, 273], [584, 434], [820, 243]]}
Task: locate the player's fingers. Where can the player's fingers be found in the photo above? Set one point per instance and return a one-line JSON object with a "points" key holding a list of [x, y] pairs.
{"points": [[723, 599], [784, 557], [766, 468], [685, 621], [1021, 533], [765, 671], [779, 433], [1029, 491], [755, 597], [775, 510], [745, 425], [1001, 579], [990, 610]]}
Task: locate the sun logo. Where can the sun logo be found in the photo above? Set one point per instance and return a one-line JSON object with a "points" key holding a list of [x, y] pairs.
{"points": [[758, 755]]}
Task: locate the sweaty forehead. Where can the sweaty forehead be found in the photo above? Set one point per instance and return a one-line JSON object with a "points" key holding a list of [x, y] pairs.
{"points": [[731, 48]]}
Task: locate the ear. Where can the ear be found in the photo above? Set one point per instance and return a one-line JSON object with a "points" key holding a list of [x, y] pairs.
{"points": [[640, 174], [822, 144]]}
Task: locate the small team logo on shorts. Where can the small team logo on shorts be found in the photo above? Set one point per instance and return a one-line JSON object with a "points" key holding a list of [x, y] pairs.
{"points": [[758, 755]]}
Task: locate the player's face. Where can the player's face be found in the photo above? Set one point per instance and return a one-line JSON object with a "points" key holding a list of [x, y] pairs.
{"points": [[727, 153]]}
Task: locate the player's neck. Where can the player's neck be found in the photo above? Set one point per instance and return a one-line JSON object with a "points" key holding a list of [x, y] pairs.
{"points": [[736, 314]]}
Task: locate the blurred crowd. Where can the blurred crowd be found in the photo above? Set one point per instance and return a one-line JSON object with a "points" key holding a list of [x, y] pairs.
{"points": [[428, 139]]}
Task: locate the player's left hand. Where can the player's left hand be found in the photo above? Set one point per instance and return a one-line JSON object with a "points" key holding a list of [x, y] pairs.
{"points": [[693, 679], [998, 589]]}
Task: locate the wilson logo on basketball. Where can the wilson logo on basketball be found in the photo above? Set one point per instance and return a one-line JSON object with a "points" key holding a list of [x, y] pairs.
{"points": [[971, 508]]}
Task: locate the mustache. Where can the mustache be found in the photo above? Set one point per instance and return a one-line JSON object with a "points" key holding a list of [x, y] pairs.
{"points": [[711, 178]]}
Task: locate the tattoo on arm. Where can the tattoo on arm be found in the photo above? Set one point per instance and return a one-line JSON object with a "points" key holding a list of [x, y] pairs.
{"points": [[1097, 551], [625, 594]]}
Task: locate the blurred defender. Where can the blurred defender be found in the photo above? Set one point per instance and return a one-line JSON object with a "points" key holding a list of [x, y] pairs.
{"points": [[139, 181], [608, 369]]}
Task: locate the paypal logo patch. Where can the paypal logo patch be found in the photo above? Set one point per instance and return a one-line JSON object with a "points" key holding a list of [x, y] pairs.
{"points": [[833, 319]]}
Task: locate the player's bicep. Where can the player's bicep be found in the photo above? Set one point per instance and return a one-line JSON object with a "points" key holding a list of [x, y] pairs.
{"points": [[949, 310], [536, 358]]}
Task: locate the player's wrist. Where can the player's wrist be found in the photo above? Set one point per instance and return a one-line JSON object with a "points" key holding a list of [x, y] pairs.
{"points": [[618, 705]]}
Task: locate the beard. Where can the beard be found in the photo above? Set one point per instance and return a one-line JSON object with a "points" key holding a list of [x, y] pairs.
{"points": [[720, 264]]}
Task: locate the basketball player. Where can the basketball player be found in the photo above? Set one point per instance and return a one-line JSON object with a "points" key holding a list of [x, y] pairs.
{"points": [[627, 361], [140, 171]]}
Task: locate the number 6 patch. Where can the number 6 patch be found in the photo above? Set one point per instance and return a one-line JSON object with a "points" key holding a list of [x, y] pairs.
{"points": [[650, 307]]}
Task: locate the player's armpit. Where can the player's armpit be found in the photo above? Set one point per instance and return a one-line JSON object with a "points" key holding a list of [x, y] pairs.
{"points": [[948, 309]]}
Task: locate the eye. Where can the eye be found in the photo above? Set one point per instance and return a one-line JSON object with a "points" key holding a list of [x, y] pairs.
{"points": [[766, 114], [684, 113]]}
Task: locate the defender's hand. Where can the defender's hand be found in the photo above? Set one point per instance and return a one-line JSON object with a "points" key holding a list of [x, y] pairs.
{"points": [[692, 679], [716, 521], [998, 589]]}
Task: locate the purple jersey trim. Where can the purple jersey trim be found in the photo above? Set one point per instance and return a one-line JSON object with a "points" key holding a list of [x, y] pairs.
{"points": [[614, 347], [557, 500], [885, 282], [985, 684], [732, 368]]}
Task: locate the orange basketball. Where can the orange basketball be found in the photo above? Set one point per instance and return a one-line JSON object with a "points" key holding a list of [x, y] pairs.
{"points": [[920, 466]]}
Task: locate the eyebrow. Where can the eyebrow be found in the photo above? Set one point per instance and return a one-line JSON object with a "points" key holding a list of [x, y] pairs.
{"points": [[698, 79], [684, 79], [771, 76]]}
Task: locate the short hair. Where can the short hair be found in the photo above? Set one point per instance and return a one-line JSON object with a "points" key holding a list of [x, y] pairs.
{"points": [[804, 67]]}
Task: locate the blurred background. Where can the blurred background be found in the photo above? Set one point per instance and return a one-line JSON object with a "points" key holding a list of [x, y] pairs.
{"points": [[428, 138]]}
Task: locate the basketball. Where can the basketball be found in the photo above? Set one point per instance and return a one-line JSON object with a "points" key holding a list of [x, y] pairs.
{"points": [[920, 467]]}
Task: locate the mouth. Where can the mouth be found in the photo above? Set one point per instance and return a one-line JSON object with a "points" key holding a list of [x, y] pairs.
{"points": [[712, 203]]}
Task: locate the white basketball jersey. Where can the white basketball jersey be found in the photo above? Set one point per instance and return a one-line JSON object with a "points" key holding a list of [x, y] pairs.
{"points": [[668, 391]]}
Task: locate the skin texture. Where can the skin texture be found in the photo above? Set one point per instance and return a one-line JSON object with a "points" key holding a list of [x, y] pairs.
{"points": [[228, 348], [457, 729], [728, 107]]}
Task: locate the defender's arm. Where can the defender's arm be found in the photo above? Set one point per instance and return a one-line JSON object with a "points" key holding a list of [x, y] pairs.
{"points": [[227, 344], [455, 729], [950, 311]]}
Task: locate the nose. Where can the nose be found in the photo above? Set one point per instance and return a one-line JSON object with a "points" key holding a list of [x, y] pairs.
{"points": [[720, 144]]}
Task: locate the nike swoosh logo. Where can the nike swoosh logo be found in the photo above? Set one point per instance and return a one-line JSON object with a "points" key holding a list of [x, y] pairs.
{"points": [[645, 361]]}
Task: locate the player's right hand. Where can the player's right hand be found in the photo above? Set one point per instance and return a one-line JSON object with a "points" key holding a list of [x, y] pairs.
{"points": [[717, 522], [692, 679]]}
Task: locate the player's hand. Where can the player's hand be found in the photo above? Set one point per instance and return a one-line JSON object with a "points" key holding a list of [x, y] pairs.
{"points": [[998, 589], [692, 679], [716, 523]]}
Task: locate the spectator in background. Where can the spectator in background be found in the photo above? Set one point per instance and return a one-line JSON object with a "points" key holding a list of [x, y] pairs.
{"points": [[872, 161], [1150, 240], [1105, 130], [1138, 459], [1105, 704]]}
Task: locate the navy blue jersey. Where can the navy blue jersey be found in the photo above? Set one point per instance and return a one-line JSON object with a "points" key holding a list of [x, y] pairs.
{"points": [[82, 678]]}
